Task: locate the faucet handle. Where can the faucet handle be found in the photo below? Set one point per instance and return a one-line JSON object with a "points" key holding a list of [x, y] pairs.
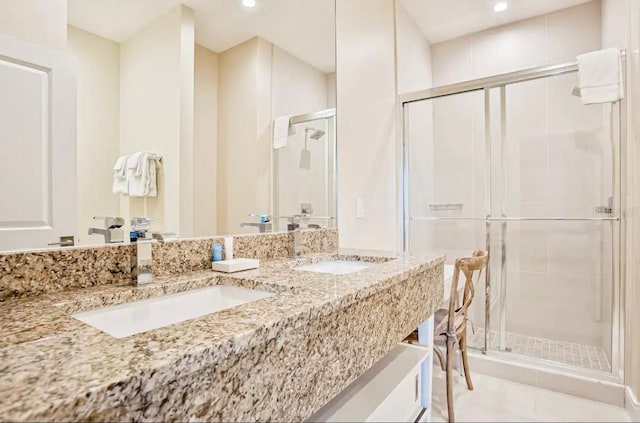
{"points": [[293, 217], [292, 225], [141, 224], [262, 218], [110, 222], [65, 241]]}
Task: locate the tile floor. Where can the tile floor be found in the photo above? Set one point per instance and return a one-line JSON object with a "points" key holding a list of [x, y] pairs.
{"points": [[499, 400], [585, 356]]}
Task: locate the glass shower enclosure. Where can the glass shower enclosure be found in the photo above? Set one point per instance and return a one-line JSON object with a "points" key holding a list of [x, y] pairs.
{"points": [[517, 165]]}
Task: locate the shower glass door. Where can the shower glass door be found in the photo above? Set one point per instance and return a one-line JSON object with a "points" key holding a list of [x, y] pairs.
{"points": [[447, 184], [559, 191], [524, 169]]}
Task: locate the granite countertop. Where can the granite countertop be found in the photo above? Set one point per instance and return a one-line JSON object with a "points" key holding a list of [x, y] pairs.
{"points": [[264, 360]]}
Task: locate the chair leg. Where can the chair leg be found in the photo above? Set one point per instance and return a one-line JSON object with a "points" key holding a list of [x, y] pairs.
{"points": [[441, 358], [465, 360], [450, 357]]}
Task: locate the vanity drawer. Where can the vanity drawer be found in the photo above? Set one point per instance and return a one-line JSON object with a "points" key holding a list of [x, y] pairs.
{"points": [[388, 392]]}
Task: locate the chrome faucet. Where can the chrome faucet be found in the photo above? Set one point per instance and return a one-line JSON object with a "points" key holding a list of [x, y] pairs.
{"points": [[143, 271], [297, 235], [297, 242], [112, 231], [264, 224]]}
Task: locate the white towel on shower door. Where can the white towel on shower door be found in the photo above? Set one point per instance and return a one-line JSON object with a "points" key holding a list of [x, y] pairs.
{"points": [[281, 131], [600, 76]]}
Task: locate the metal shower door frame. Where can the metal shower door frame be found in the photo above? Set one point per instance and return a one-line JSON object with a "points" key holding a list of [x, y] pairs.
{"points": [[617, 219]]}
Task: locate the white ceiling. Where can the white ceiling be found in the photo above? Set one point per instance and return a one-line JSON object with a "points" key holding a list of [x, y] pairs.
{"points": [[304, 28], [441, 20]]}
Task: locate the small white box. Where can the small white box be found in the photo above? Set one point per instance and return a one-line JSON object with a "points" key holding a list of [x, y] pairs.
{"points": [[235, 265]]}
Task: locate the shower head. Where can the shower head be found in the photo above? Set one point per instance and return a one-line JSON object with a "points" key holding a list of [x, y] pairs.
{"points": [[316, 134]]}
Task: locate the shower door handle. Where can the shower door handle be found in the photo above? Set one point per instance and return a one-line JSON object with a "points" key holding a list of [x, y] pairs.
{"points": [[604, 210], [608, 209]]}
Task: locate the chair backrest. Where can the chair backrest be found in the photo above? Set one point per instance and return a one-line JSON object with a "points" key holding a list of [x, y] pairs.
{"points": [[468, 266]]}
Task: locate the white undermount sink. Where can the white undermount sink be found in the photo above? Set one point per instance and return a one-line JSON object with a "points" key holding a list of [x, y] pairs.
{"points": [[128, 319], [336, 267]]}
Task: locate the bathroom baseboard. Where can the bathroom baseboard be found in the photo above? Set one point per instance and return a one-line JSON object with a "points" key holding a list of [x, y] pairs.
{"points": [[551, 379], [632, 405]]}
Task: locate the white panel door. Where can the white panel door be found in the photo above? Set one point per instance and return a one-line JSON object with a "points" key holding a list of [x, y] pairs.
{"points": [[37, 145]]}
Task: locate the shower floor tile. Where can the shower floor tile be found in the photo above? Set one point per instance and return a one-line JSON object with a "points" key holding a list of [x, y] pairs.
{"points": [[585, 356]]}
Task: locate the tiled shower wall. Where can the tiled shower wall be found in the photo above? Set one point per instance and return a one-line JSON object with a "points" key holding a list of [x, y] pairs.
{"points": [[558, 163]]}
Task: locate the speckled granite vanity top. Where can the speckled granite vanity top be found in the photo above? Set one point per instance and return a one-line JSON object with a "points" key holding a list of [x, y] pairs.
{"points": [[278, 358]]}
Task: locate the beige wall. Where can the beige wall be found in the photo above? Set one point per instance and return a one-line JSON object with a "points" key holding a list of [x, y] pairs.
{"points": [[614, 34], [621, 28], [154, 108], [243, 151], [205, 142], [367, 143], [298, 88], [632, 335], [414, 70], [257, 82], [553, 38], [98, 76], [614, 23], [331, 89], [41, 22], [186, 172], [413, 54]]}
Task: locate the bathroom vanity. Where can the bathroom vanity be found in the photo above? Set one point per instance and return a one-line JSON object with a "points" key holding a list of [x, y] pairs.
{"points": [[279, 355]]}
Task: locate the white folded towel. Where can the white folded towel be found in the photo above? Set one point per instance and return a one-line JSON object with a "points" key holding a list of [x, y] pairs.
{"points": [[143, 184], [120, 176], [281, 131], [120, 166], [600, 76], [135, 162], [152, 190]]}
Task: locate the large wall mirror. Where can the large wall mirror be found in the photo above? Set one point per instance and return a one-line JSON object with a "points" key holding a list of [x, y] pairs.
{"points": [[201, 88]]}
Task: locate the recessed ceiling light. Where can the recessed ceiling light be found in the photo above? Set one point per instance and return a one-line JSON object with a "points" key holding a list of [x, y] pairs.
{"points": [[249, 3], [500, 6]]}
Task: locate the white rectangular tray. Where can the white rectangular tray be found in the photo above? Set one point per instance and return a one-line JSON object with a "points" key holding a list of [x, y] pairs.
{"points": [[235, 265]]}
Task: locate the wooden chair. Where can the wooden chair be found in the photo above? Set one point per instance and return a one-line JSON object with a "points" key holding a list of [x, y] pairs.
{"points": [[452, 322]]}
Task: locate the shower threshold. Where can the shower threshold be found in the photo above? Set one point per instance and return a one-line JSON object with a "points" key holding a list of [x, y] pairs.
{"points": [[584, 356]]}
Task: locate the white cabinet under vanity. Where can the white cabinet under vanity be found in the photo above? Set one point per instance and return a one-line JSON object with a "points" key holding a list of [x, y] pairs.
{"points": [[396, 389]]}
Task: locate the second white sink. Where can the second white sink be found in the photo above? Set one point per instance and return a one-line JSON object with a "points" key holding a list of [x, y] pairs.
{"points": [[336, 267], [141, 316]]}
